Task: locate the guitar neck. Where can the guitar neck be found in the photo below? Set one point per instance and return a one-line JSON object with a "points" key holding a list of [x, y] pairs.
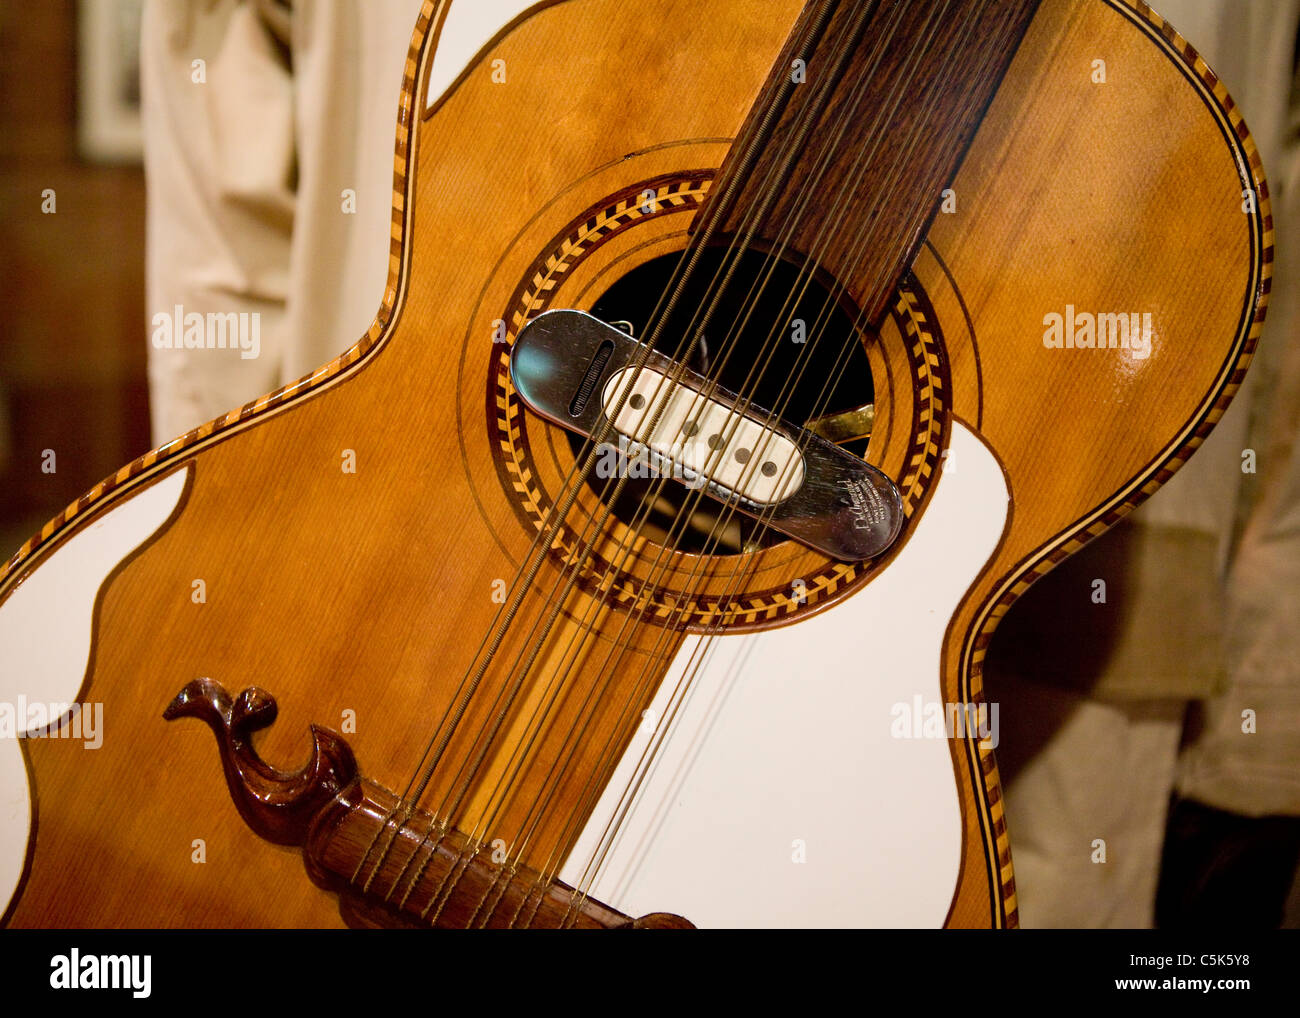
{"points": [[877, 111]]}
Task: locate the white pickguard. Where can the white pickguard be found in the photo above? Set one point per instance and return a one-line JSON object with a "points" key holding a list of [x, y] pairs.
{"points": [[45, 632], [784, 740], [467, 29]]}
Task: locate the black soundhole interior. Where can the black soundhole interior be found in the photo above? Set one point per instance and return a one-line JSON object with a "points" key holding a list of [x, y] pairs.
{"points": [[827, 371]]}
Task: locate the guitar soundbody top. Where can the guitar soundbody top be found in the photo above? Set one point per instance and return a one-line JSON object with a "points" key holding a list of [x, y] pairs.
{"points": [[783, 790]]}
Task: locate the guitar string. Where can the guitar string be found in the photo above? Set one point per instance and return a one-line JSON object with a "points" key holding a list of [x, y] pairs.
{"points": [[557, 516], [700, 652], [703, 647], [616, 640], [470, 767], [803, 367], [577, 642], [666, 728], [458, 790], [678, 697], [521, 845]]}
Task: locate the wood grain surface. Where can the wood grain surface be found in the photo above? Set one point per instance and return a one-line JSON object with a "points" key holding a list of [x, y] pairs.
{"points": [[369, 592]]}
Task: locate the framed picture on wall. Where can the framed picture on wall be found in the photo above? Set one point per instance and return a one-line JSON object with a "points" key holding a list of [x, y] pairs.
{"points": [[108, 82]]}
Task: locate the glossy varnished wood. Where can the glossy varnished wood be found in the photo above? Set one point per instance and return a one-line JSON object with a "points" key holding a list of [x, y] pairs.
{"points": [[895, 92], [368, 592], [1156, 224], [426, 486]]}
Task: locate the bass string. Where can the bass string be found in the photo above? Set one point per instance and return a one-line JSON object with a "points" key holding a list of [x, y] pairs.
{"points": [[665, 728], [702, 649], [632, 616], [547, 702], [581, 557], [556, 516], [571, 743], [470, 769], [698, 326], [693, 666]]}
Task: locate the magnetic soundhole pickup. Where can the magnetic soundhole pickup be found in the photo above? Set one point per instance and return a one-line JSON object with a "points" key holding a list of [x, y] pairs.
{"points": [[594, 379]]}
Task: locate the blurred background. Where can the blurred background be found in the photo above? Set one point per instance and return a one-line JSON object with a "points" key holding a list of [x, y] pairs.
{"points": [[72, 322]]}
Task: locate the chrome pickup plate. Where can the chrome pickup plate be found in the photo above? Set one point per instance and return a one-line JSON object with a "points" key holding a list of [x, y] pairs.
{"points": [[583, 374]]}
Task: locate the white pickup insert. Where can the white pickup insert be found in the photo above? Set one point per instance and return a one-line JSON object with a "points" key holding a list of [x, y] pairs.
{"points": [[704, 436]]}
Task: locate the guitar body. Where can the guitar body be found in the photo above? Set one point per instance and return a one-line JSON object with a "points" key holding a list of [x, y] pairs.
{"points": [[344, 543]]}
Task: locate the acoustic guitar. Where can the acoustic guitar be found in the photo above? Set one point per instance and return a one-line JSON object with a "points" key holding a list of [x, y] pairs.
{"points": [[741, 363]]}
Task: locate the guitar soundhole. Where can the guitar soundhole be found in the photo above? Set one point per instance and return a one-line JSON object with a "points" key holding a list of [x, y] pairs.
{"points": [[802, 358]]}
